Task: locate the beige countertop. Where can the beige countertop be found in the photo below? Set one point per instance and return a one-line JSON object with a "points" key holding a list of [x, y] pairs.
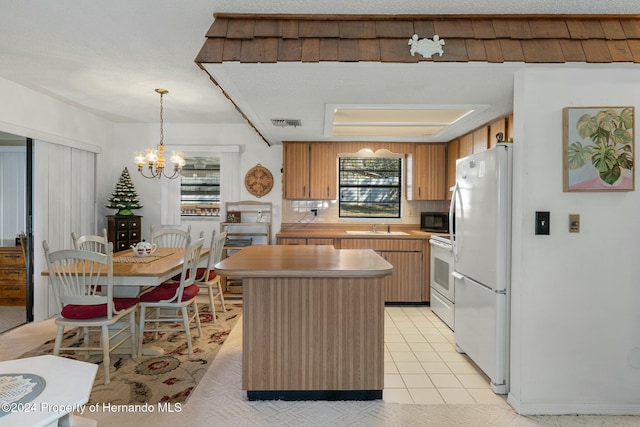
{"points": [[303, 261]]}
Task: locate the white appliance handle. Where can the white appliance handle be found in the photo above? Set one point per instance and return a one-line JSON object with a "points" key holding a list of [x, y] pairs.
{"points": [[452, 209], [440, 245], [457, 275]]}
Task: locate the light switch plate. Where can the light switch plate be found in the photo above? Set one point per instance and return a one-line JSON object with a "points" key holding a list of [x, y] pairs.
{"points": [[542, 222], [574, 223]]}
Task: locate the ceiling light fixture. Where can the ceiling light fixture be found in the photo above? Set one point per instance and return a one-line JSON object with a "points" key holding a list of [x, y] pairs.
{"points": [[155, 158]]}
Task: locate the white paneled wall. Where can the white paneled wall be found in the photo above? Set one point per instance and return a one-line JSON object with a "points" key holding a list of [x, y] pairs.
{"points": [[64, 201], [12, 191]]}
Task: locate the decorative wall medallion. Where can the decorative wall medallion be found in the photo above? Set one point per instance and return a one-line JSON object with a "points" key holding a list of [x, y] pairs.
{"points": [[258, 180], [426, 47]]}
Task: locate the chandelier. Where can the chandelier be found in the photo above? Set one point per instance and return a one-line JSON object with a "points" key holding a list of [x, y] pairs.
{"points": [[154, 159]]}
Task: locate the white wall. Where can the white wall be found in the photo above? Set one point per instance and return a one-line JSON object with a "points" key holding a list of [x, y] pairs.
{"points": [[34, 115], [575, 297], [12, 192], [137, 137]]}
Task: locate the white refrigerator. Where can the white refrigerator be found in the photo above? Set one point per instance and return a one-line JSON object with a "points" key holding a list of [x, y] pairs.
{"points": [[481, 240]]}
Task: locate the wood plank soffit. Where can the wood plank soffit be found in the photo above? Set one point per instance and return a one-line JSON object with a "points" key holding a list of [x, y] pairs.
{"points": [[384, 38]]}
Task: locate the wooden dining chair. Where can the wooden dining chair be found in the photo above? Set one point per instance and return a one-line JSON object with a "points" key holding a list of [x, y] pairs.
{"points": [[169, 299], [170, 237], [206, 277], [90, 242], [75, 276]]}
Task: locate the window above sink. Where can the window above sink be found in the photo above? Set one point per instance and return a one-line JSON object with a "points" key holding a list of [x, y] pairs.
{"points": [[370, 185]]}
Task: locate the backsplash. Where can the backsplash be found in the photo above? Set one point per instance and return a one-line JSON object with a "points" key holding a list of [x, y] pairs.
{"points": [[299, 211]]}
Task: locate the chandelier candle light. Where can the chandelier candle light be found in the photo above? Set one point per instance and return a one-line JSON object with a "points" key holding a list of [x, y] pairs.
{"points": [[155, 158]]}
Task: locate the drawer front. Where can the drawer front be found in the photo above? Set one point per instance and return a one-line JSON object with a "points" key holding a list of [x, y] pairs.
{"points": [[128, 224], [11, 276], [404, 245], [11, 259], [123, 235], [122, 245], [13, 291], [123, 224]]}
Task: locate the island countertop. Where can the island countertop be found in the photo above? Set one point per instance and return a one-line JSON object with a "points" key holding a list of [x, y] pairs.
{"points": [[303, 261]]}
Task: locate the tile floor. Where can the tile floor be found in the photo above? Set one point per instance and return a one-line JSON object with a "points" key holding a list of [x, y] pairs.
{"points": [[422, 366]]}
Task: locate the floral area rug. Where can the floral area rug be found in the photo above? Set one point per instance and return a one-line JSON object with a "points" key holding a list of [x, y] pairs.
{"points": [[171, 377]]}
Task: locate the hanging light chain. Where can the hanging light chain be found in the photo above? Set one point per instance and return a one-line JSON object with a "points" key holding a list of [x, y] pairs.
{"points": [[155, 158]]}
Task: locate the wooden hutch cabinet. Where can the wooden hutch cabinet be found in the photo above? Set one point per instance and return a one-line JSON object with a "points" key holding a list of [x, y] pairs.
{"points": [[124, 231], [13, 276]]}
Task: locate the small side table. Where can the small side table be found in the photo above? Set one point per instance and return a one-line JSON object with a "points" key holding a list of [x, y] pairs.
{"points": [[67, 387]]}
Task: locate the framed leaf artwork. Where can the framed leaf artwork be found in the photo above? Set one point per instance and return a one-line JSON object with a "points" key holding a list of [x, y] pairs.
{"points": [[598, 149]]}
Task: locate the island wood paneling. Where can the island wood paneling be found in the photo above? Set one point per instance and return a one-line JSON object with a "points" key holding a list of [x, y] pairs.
{"points": [[313, 333]]}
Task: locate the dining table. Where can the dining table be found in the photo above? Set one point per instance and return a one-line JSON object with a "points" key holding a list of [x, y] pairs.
{"points": [[132, 274]]}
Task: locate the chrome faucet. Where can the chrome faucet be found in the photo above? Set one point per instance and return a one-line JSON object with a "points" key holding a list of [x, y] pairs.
{"points": [[375, 228]]}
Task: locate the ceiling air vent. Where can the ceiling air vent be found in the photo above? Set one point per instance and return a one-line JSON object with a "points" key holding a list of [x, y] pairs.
{"points": [[285, 123]]}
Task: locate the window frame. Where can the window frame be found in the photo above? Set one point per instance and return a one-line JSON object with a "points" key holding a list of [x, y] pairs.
{"points": [[368, 154]]}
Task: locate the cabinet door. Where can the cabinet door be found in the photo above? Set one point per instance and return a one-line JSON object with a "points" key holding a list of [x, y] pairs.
{"points": [[322, 171], [295, 170], [429, 164], [452, 156], [405, 283], [481, 139], [466, 145]]}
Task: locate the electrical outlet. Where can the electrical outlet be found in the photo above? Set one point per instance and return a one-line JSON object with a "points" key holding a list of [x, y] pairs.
{"points": [[412, 212]]}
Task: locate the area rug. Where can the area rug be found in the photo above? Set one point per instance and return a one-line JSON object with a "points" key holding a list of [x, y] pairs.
{"points": [[170, 378]]}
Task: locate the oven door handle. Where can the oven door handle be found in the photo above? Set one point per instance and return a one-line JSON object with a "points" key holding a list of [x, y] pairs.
{"points": [[440, 245]]}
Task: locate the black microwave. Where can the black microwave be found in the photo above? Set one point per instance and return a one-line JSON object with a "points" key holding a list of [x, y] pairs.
{"points": [[434, 221]]}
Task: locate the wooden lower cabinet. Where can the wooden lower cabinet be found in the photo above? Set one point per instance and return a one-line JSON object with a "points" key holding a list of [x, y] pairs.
{"points": [[13, 277], [405, 284]]}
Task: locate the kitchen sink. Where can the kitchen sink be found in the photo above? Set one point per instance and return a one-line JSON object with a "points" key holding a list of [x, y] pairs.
{"points": [[376, 233]]}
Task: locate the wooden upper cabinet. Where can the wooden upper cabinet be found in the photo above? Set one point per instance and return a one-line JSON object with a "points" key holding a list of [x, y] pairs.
{"points": [[452, 156], [481, 139], [495, 127], [309, 171], [295, 170], [429, 172], [322, 171], [466, 145]]}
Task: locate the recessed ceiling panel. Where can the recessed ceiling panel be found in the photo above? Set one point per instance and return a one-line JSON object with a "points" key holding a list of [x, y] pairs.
{"points": [[398, 115], [391, 131]]}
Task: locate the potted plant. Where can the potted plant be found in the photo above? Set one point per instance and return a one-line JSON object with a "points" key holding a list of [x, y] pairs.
{"points": [[610, 144]]}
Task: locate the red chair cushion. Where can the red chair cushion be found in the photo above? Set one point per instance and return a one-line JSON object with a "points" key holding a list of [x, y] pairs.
{"points": [[167, 291], [79, 312], [199, 274]]}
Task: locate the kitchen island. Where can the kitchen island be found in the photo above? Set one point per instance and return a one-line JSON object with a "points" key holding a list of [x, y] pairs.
{"points": [[313, 321]]}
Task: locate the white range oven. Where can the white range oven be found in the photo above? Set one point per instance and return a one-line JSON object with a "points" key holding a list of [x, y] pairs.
{"points": [[442, 283]]}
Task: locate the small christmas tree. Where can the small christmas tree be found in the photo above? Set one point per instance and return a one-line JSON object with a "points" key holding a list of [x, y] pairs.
{"points": [[124, 197]]}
